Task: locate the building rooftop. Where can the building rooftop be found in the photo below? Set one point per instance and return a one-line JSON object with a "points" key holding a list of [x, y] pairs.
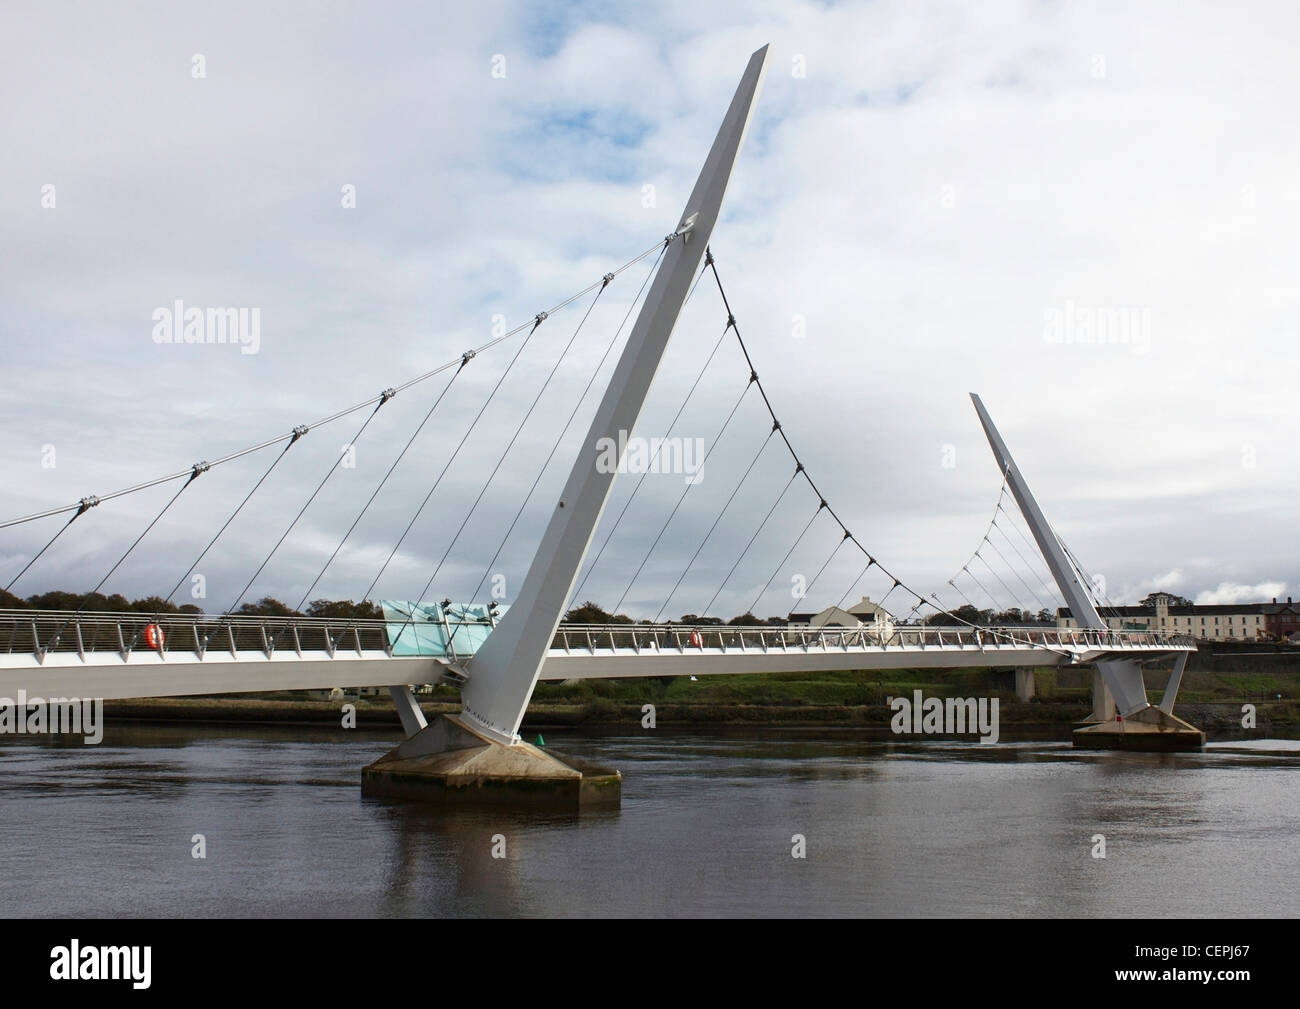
{"points": [[1212, 609]]}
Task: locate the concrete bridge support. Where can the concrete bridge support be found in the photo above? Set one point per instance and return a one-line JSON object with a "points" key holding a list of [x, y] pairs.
{"points": [[1017, 678], [1103, 701]]}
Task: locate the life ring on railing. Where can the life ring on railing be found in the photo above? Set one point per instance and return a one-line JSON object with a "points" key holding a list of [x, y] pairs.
{"points": [[696, 641], [153, 636]]}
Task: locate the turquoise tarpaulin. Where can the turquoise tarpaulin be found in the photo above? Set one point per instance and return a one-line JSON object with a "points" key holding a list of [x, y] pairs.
{"points": [[423, 628]]}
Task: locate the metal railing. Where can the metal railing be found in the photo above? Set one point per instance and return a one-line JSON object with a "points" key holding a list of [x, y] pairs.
{"points": [[40, 632], [592, 638]]}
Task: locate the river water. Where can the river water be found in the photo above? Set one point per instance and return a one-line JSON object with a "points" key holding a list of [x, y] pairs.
{"points": [[706, 827]]}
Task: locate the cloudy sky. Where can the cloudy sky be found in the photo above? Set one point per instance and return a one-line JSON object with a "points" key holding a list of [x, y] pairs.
{"points": [[1086, 212]]}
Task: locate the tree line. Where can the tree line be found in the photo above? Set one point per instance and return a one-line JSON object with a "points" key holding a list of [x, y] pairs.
{"points": [[591, 613], [267, 606], [588, 613], [1011, 617]]}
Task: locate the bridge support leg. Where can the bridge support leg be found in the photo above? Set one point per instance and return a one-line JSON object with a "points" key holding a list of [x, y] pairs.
{"points": [[1024, 684], [1175, 681], [478, 755], [1103, 701], [408, 710]]}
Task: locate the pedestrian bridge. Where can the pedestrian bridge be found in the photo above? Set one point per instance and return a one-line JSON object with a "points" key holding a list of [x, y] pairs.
{"points": [[67, 654], [118, 655]]}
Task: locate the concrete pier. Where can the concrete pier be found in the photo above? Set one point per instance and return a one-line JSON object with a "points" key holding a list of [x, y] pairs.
{"points": [[1149, 730], [449, 762], [1103, 701]]}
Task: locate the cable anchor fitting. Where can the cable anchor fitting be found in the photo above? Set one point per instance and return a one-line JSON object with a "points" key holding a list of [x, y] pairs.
{"points": [[607, 280], [386, 395], [199, 468], [87, 503], [687, 225], [298, 432], [466, 357]]}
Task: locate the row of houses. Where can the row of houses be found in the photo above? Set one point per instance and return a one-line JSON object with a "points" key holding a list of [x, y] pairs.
{"points": [[1223, 622], [1226, 622]]}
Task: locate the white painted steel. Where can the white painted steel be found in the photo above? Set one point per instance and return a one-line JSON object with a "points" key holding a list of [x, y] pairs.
{"points": [[1122, 676], [1175, 681], [508, 664]]}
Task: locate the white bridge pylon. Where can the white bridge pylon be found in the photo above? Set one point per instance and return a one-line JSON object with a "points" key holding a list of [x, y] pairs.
{"points": [[1122, 676]]}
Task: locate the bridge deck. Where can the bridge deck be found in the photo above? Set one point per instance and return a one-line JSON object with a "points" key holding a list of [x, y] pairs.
{"points": [[53, 654]]}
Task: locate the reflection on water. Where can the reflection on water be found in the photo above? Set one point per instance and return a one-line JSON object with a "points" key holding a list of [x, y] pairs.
{"points": [[706, 827]]}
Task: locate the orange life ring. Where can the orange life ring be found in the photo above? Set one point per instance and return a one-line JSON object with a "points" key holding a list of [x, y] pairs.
{"points": [[153, 636], [696, 642]]}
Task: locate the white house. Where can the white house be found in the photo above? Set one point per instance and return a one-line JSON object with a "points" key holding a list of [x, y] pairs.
{"points": [[863, 613]]}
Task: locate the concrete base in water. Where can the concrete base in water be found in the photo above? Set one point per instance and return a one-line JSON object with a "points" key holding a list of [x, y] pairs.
{"points": [[448, 762], [1150, 730]]}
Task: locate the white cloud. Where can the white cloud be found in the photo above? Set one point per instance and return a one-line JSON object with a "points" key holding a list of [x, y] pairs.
{"points": [[1165, 184], [1168, 581], [1234, 592]]}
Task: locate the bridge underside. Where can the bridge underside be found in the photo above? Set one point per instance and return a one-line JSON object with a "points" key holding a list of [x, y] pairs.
{"points": [[714, 662], [179, 674]]}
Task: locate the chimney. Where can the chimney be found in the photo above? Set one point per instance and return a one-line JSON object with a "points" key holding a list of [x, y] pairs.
{"points": [[1275, 600]]}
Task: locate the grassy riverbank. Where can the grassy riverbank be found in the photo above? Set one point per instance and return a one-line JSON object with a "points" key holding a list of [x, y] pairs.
{"points": [[1211, 698]]}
